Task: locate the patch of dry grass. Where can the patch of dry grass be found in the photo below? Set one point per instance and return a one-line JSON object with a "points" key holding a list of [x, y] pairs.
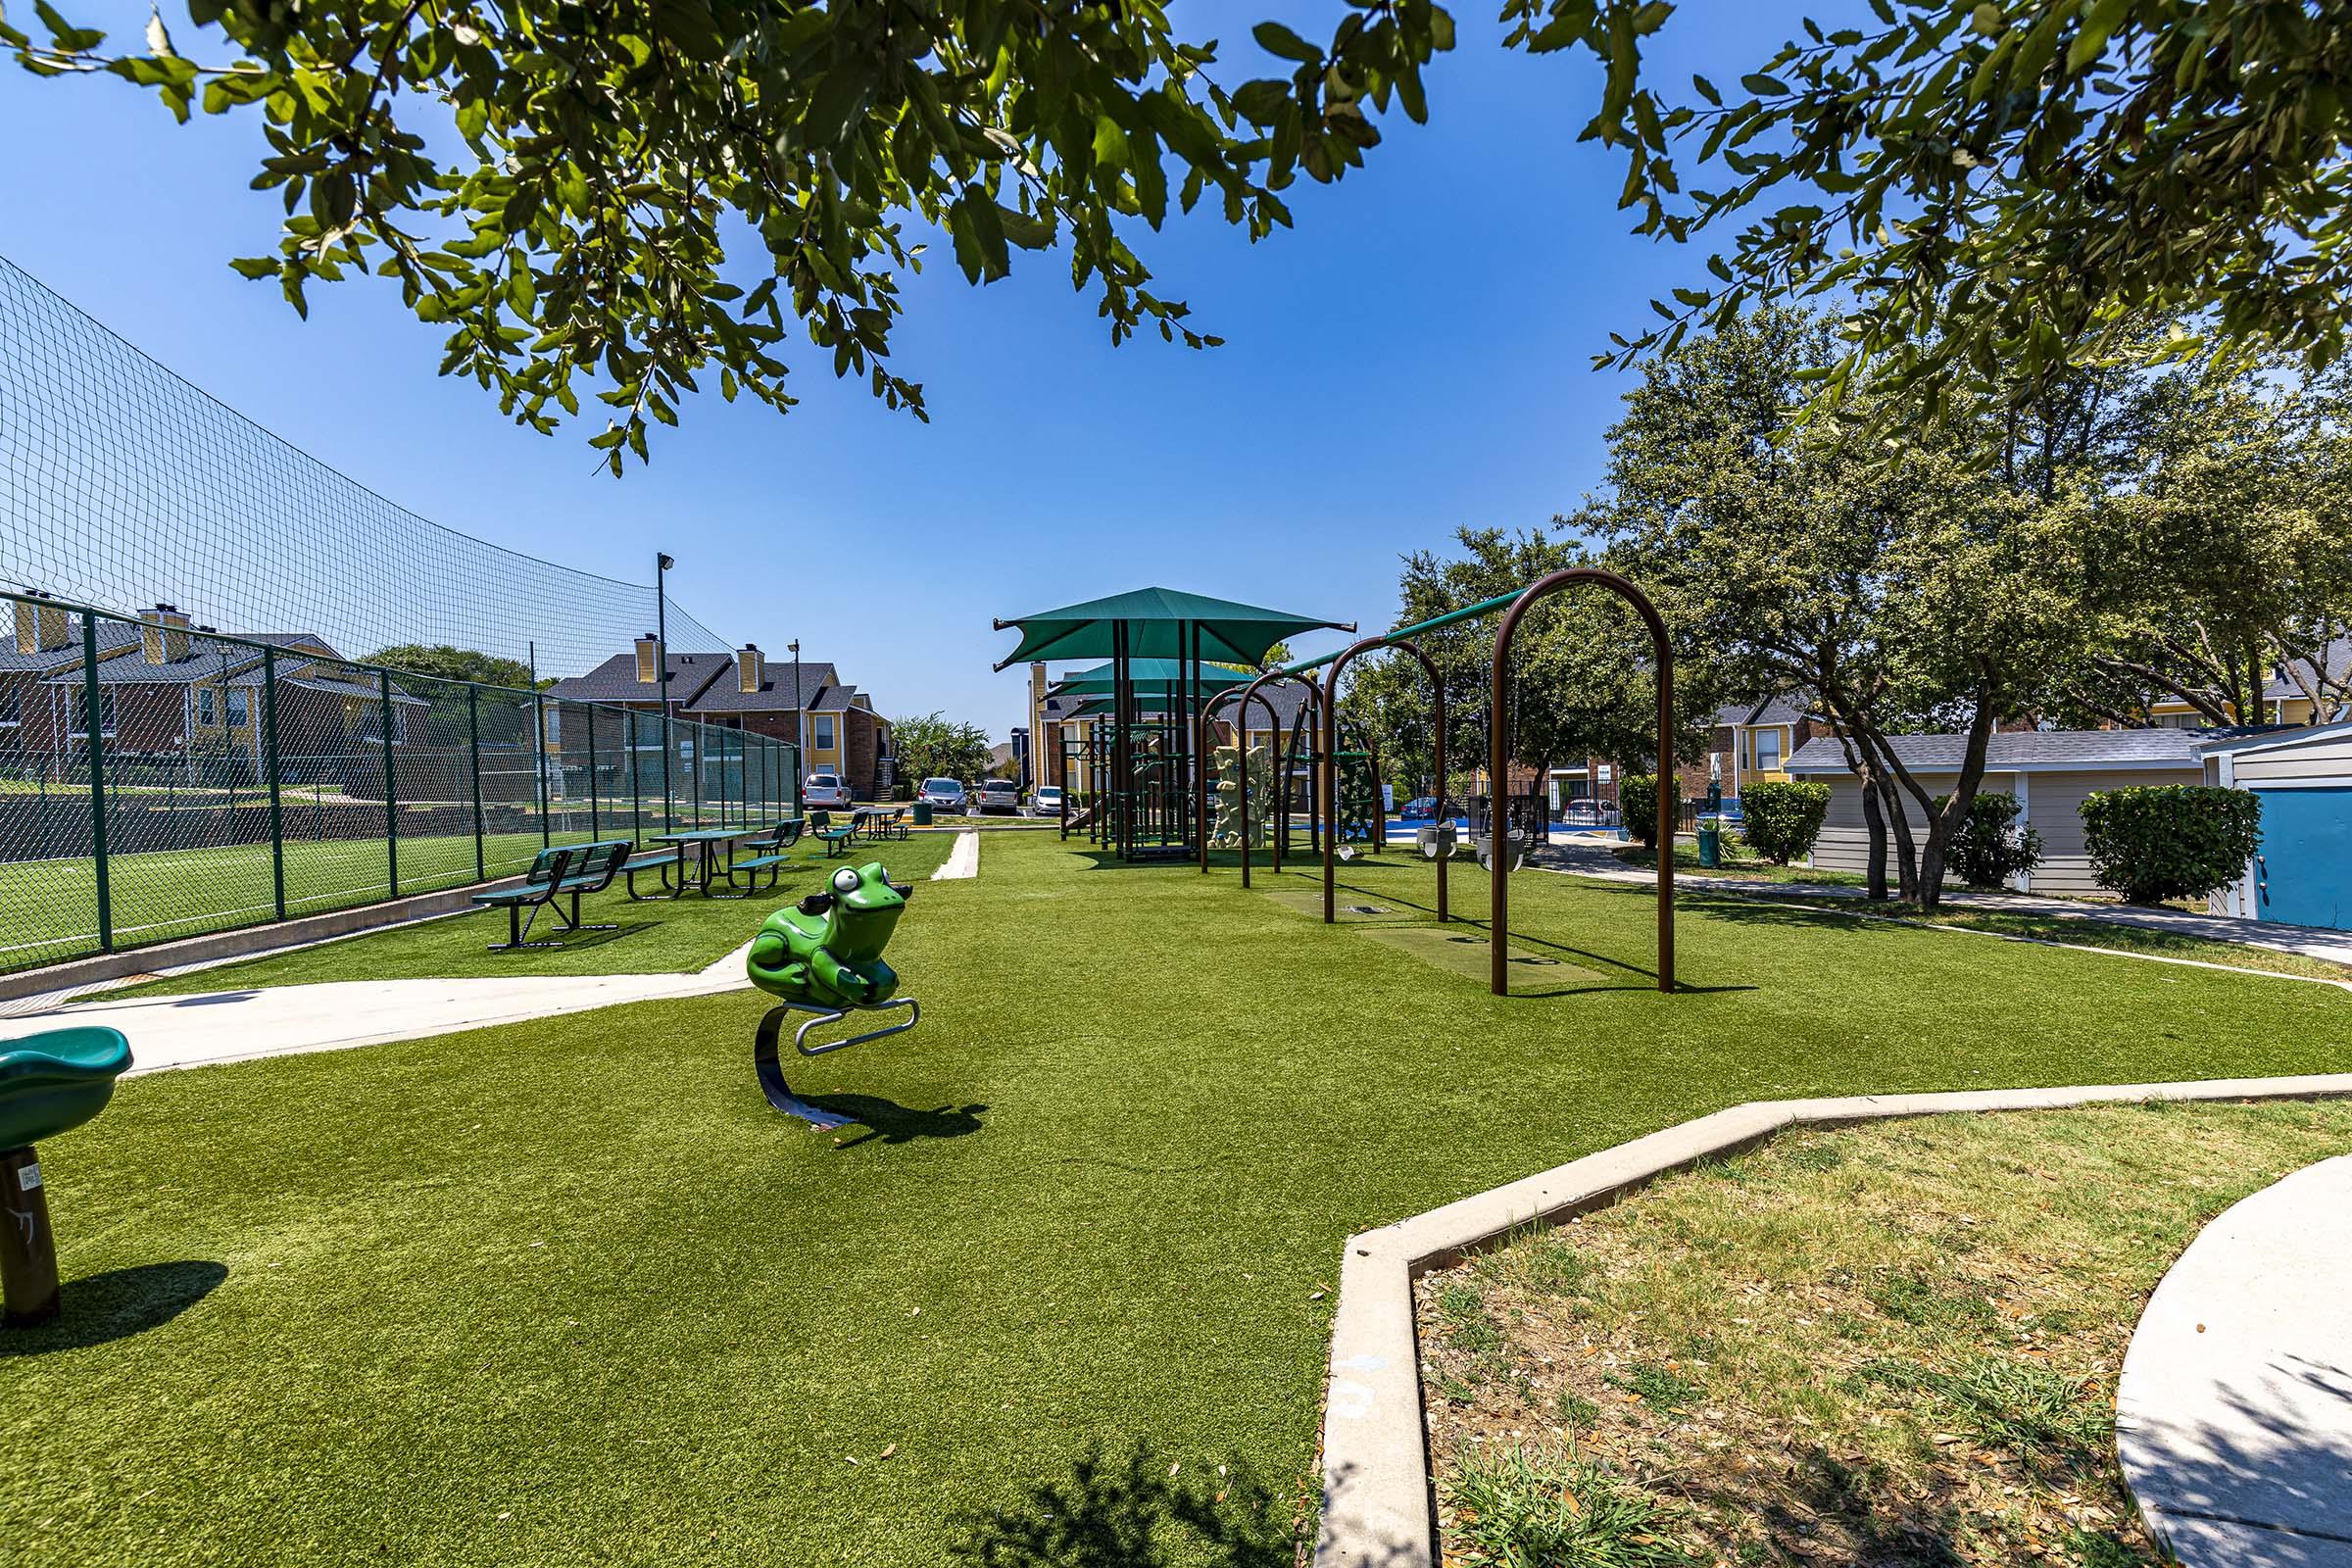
{"points": [[1887, 1345]]}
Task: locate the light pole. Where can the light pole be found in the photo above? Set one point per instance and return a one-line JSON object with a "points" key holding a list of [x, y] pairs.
{"points": [[661, 564], [799, 718]]}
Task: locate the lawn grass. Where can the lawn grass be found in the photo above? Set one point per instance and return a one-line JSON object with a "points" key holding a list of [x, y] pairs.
{"points": [[2090, 931], [1738, 862], [1889, 1345], [657, 936], [569, 1291]]}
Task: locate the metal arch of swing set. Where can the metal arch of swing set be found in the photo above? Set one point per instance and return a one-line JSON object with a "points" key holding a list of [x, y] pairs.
{"points": [[1514, 607], [1288, 760]]}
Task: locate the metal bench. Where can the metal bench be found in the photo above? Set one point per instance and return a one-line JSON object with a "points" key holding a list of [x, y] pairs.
{"points": [[767, 855], [837, 838], [560, 871]]}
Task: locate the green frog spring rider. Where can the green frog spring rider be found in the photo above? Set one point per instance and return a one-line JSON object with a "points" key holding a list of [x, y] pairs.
{"points": [[823, 956]]}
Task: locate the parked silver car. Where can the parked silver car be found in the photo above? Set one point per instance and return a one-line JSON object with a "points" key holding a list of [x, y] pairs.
{"points": [[999, 795], [1047, 801], [943, 795]]}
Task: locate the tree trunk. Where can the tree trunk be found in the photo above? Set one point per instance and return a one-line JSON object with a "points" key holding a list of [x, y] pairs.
{"points": [[1875, 820], [1890, 800], [1942, 824]]}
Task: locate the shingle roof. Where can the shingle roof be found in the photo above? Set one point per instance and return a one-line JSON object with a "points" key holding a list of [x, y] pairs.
{"points": [[839, 699], [2032, 750], [111, 636], [206, 660], [615, 680], [1769, 710], [2337, 657], [775, 694]]}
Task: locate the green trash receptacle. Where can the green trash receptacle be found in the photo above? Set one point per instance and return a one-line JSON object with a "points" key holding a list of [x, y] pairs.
{"points": [[922, 813], [1710, 841]]}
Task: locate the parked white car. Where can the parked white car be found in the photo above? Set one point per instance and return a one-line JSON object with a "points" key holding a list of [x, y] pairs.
{"points": [[943, 795], [1047, 801], [824, 791], [999, 795]]}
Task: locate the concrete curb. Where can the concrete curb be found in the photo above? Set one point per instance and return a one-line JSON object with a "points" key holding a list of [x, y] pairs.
{"points": [[1377, 1505]]}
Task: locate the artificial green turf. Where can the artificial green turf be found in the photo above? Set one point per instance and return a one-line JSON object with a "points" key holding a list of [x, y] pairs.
{"points": [[49, 909], [569, 1293], [657, 935]]}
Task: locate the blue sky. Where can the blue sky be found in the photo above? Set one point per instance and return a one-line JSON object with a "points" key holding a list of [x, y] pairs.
{"points": [[1411, 358]]}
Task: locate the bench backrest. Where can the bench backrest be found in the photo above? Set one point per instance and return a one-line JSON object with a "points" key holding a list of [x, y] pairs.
{"points": [[551, 865], [821, 821], [601, 863]]}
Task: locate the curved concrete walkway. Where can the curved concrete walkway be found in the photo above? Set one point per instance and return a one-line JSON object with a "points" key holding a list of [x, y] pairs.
{"points": [[2233, 1417], [190, 1031]]}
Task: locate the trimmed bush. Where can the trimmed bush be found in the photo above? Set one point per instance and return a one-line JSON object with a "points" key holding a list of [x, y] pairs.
{"points": [[1989, 848], [1780, 820], [2156, 842], [1638, 803]]}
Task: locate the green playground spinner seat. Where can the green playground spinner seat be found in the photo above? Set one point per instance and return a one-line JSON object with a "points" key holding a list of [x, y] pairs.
{"points": [[57, 1079]]}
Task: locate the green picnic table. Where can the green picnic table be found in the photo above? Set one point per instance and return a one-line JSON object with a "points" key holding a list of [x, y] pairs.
{"points": [[704, 843]]}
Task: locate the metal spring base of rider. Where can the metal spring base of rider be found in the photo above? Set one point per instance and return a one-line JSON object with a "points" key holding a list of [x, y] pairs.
{"points": [[771, 1071]]}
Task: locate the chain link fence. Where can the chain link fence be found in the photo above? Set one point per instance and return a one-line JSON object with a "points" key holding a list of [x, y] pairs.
{"points": [[158, 781]]}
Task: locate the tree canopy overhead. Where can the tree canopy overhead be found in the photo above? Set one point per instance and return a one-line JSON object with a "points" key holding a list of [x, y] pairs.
{"points": [[560, 186], [1995, 190], [1995, 193]]}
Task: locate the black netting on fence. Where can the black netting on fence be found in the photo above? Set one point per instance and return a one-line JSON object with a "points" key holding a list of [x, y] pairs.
{"points": [[123, 485], [158, 782]]}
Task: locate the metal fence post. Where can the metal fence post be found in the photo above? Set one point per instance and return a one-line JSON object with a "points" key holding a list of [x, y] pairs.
{"points": [[589, 711], [91, 726], [277, 819], [636, 777], [473, 751], [539, 747], [391, 800]]}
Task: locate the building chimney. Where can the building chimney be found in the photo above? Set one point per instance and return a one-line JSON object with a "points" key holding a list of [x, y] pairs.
{"points": [[41, 628], [164, 636], [648, 658], [746, 669]]}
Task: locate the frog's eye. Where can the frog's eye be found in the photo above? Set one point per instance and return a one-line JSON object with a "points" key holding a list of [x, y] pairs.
{"points": [[844, 880]]}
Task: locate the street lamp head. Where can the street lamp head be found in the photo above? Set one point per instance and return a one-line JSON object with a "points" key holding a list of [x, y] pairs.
{"points": [[662, 562]]}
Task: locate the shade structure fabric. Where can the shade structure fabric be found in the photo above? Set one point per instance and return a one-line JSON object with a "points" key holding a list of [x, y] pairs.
{"points": [[1157, 621], [1148, 673]]}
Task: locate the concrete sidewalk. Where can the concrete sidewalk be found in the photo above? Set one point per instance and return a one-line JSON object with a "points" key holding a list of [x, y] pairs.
{"points": [[168, 1031], [1589, 859], [2233, 1416], [189, 1030]]}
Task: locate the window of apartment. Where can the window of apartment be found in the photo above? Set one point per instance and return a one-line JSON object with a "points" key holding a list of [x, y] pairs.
{"points": [[106, 713], [12, 706], [240, 706], [208, 711], [824, 732], [1767, 751]]}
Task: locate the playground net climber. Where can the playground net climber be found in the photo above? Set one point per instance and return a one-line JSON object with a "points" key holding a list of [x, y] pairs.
{"points": [[124, 487]]}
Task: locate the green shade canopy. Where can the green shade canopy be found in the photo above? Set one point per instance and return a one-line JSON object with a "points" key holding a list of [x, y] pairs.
{"points": [[1149, 672], [1156, 620]]}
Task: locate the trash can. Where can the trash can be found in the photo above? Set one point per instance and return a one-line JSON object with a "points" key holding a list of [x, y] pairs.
{"points": [[1710, 841], [922, 813]]}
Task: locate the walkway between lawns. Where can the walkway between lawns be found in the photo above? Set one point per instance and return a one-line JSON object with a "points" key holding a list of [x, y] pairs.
{"points": [[238, 1025]]}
